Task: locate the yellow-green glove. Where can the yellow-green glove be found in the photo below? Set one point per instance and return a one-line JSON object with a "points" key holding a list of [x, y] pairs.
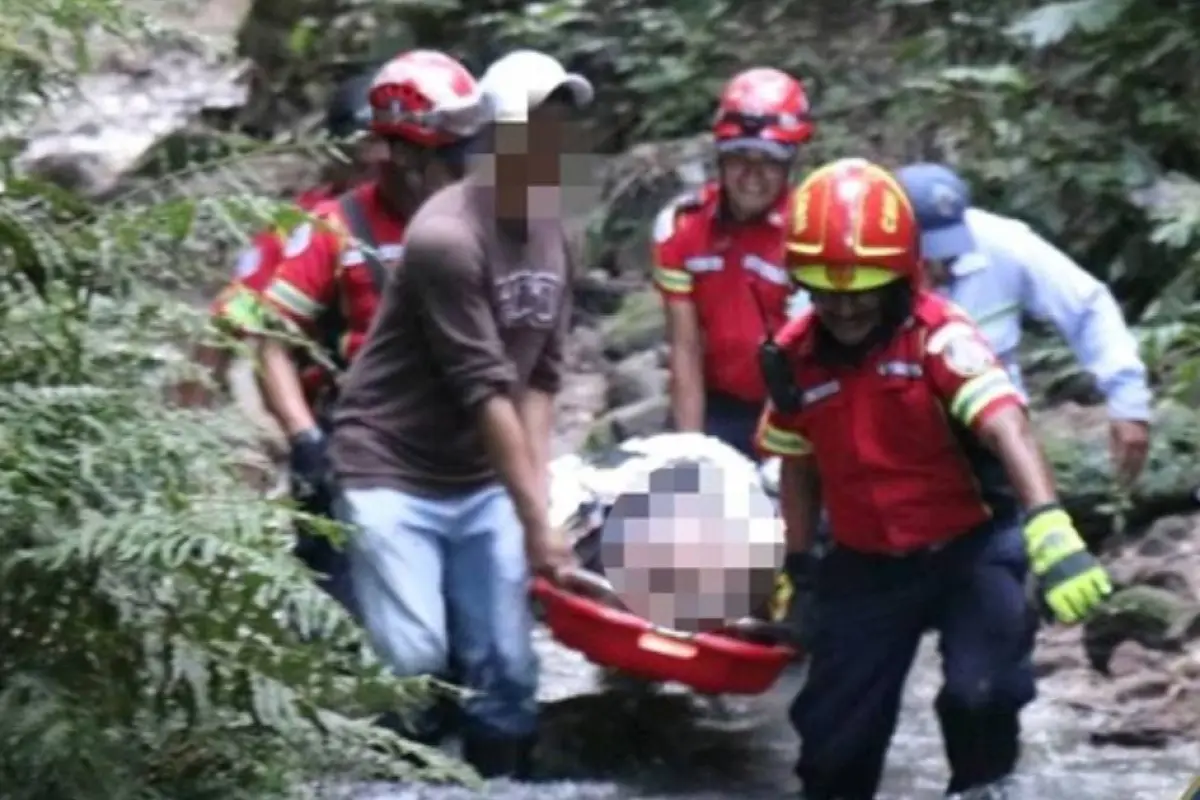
{"points": [[1070, 579]]}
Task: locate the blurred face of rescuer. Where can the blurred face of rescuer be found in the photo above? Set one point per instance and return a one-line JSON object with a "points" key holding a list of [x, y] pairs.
{"points": [[441, 436], [423, 109], [901, 420], [718, 258]]}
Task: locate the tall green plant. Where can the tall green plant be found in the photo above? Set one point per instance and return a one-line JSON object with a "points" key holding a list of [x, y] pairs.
{"points": [[158, 639]]}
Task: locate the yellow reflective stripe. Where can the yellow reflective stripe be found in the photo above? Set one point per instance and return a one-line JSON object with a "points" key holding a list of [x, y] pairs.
{"points": [[843, 277], [668, 279], [782, 443], [292, 299], [976, 394], [244, 310]]}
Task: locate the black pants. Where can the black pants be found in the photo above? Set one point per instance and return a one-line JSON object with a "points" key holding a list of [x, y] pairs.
{"points": [[872, 612]]}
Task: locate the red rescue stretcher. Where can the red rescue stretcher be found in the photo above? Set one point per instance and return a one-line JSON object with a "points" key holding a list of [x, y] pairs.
{"points": [[587, 616]]}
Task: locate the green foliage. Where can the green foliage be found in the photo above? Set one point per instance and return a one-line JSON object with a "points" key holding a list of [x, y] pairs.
{"points": [[1075, 116], [159, 640]]}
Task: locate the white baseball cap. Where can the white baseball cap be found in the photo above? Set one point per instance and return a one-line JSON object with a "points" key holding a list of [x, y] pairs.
{"points": [[522, 80]]}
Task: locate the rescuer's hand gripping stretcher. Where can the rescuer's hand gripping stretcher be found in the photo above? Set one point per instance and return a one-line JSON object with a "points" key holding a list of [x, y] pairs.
{"points": [[679, 543]]}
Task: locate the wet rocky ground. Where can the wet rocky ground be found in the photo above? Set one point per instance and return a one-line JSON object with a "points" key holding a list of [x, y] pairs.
{"points": [[613, 746]]}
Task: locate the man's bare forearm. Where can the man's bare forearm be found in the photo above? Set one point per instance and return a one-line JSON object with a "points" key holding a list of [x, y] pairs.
{"points": [[537, 415], [283, 391], [508, 447], [800, 503], [1010, 436], [687, 389]]}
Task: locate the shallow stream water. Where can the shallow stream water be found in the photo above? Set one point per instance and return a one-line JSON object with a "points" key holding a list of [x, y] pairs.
{"points": [[609, 745]]}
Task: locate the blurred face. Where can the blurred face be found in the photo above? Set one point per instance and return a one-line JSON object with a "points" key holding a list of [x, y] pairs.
{"points": [[850, 317], [692, 547], [409, 173], [752, 181], [531, 152], [365, 157]]}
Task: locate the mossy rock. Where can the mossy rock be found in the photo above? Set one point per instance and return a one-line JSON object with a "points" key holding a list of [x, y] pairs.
{"points": [[1083, 468], [600, 437], [1155, 618], [639, 324], [645, 418]]}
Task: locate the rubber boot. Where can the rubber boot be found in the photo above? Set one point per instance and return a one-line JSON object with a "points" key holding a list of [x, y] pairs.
{"points": [[498, 756], [858, 780], [982, 746], [429, 726], [998, 790]]}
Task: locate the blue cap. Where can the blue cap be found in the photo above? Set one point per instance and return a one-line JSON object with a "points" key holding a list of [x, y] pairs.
{"points": [[940, 199]]}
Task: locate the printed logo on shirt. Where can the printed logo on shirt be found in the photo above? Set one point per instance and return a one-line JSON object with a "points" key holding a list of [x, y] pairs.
{"points": [[248, 262], [528, 299], [299, 241], [967, 356]]}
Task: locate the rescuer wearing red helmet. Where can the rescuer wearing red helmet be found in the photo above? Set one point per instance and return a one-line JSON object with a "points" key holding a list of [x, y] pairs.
{"points": [[718, 258], [888, 406], [426, 107], [237, 308]]}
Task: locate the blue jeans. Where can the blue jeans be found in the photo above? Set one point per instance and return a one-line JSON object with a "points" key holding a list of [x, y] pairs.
{"points": [[435, 575]]}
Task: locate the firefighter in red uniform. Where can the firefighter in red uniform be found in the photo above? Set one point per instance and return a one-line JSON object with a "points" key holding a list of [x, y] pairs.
{"points": [[426, 107], [888, 405], [718, 258], [237, 308]]}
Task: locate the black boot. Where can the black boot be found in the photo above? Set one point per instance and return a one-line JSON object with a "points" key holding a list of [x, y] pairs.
{"points": [[982, 745], [495, 755], [856, 780], [429, 726]]}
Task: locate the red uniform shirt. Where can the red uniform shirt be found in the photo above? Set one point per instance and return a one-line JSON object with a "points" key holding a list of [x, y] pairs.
{"points": [[324, 268], [256, 267], [734, 274], [894, 437]]}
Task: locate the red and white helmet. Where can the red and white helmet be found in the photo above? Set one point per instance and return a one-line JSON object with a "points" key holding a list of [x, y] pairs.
{"points": [[763, 109], [427, 98]]}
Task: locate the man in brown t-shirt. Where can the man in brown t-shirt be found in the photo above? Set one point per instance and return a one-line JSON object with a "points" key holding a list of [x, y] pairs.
{"points": [[442, 434]]}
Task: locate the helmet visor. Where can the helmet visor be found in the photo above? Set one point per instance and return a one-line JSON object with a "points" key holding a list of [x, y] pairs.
{"points": [[843, 277]]}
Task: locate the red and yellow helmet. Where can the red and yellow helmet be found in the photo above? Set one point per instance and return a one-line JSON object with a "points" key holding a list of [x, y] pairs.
{"points": [[427, 98], [763, 108], [852, 229]]}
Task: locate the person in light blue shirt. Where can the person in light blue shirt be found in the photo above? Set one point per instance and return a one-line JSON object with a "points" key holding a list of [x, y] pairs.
{"points": [[998, 269]]}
